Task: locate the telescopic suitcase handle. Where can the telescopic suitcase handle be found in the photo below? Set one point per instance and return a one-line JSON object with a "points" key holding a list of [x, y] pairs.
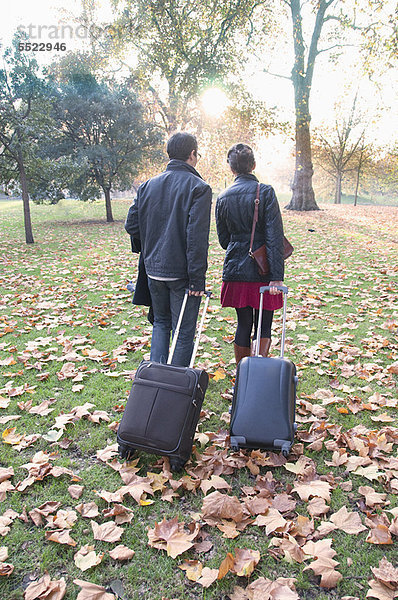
{"points": [[178, 326], [285, 291]]}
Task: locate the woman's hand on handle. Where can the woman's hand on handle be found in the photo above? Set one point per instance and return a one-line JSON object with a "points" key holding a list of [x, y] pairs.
{"points": [[273, 290]]}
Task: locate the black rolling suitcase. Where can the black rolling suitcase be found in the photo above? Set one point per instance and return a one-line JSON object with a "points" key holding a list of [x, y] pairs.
{"points": [[164, 405], [264, 401]]}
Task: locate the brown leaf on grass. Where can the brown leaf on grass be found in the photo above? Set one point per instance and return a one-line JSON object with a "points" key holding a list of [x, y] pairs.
{"points": [[380, 591], [75, 491], [216, 482], [226, 566], [60, 537], [44, 510], [107, 532], [45, 588], [3, 553], [317, 507], [121, 553], [394, 526], [171, 536], [43, 408], [273, 521], [6, 569], [242, 564], [265, 589], [284, 503], [208, 577], [138, 488], [228, 528], [290, 548], [317, 488], [321, 548], [221, 506], [85, 558], [372, 497], [386, 574], [89, 510], [192, 568], [64, 519], [120, 513], [348, 522], [107, 453], [325, 567], [379, 535], [301, 467], [5, 486], [90, 591], [6, 473], [257, 505], [245, 561]]}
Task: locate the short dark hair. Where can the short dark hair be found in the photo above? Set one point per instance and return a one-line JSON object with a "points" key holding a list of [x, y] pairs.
{"points": [[181, 144], [241, 158]]}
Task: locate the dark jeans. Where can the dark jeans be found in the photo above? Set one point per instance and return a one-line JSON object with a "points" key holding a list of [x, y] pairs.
{"points": [[167, 297]]}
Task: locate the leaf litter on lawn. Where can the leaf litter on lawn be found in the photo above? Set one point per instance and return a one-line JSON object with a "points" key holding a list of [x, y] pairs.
{"points": [[67, 356]]}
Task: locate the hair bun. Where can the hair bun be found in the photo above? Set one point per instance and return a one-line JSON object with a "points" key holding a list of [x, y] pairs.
{"points": [[241, 158]]}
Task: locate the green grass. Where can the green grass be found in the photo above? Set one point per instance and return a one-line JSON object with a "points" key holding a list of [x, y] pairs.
{"points": [[67, 293]]}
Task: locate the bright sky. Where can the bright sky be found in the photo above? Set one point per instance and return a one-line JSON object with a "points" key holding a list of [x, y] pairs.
{"points": [[52, 21]]}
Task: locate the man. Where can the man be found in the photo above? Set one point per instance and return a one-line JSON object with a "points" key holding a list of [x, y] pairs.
{"points": [[171, 219]]}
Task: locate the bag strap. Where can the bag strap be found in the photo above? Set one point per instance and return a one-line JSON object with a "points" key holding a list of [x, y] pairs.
{"points": [[255, 218]]}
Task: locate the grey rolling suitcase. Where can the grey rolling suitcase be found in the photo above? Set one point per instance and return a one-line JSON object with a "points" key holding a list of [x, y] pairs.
{"points": [[264, 401], [164, 405]]}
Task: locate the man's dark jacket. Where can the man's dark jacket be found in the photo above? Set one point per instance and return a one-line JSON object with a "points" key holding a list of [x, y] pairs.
{"points": [[234, 219], [171, 218]]}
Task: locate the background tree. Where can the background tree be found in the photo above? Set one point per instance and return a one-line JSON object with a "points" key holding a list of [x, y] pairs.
{"points": [[105, 136], [338, 151], [181, 47], [320, 26], [24, 117]]}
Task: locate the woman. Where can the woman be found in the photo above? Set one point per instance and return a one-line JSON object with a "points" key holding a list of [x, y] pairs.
{"points": [[241, 279]]}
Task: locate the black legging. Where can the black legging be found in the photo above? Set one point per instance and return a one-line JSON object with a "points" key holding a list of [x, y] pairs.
{"points": [[246, 317]]}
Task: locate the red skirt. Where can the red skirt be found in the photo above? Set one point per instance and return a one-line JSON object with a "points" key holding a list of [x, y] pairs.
{"points": [[239, 294]]}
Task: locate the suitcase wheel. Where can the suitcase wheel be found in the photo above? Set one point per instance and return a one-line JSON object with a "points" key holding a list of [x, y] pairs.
{"points": [[235, 448], [126, 453], [176, 464], [285, 450]]}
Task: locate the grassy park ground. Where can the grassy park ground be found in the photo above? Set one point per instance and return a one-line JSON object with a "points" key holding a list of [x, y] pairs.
{"points": [[256, 525]]}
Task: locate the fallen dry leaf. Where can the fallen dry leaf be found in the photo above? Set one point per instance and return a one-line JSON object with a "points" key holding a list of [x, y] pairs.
{"points": [[379, 535], [86, 558], [325, 567], [172, 537], [45, 588], [386, 574], [265, 589], [107, 532], [90, 591], [348, 522], [75, 491], [61, 537], [121, 553], [380, 591]]}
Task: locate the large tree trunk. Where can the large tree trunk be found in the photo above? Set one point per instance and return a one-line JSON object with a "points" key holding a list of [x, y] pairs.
{"points": [[108, 205], [303, 197], [25, 199], [337, 195]]}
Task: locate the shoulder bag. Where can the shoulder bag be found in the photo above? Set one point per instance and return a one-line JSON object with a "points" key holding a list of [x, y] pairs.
{"points": [[260, 255]]}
